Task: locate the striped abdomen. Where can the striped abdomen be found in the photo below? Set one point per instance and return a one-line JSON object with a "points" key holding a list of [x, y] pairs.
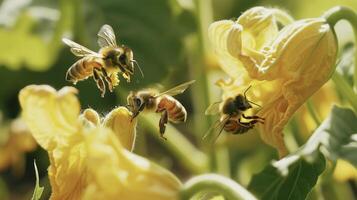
{"points": [[232, 126], [177, 113], [82, 69]]}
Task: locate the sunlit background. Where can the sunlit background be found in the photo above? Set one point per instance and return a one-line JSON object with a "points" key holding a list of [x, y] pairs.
{"points": [[169, 40]]}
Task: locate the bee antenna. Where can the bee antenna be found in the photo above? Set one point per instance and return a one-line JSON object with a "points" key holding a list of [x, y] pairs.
{"points": [[255, 104], [246, 90], [129, 106], [138, 66]]}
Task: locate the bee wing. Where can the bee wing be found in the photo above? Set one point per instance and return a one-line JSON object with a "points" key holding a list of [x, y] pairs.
{"points": [[216, 129], [177, 90], [213, 109], [79, 50], [106, 36]]}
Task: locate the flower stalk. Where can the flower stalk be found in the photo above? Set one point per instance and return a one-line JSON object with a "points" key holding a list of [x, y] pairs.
{"points": [[338, 13], [192, 159], [345, 90], [213, 182], [313, 113]]}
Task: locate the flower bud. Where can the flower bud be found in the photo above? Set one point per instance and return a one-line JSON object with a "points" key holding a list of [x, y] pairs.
{"points": [[120, 121], [90, 118]]}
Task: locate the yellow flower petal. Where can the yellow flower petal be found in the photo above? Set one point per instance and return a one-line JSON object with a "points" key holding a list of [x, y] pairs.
{"points": [[16, 140], [119, 120], [260, 27], [288, 53], [51, 116], [248, 36], [53, 120], [122, 174], [68, 170], [20, 136], [344, 171], [218, 33]]}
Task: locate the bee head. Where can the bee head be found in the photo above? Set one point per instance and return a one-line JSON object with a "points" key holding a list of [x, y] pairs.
{"points": [[134, 101], [125, 60], [242, 103]]}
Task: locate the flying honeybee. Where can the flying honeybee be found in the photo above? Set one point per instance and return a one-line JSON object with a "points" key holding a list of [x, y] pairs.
{"points": [[232, 111], [105, 65], [151, 100]]}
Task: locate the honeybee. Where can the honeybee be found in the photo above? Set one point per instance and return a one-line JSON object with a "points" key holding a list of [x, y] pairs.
{"points": [[151, 100], [105, 65], [232, 111]]}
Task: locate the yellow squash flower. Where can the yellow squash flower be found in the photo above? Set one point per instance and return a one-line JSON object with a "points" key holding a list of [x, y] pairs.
{"points": [[344, 171], [87, 159], [284, 67], [15, 141]]}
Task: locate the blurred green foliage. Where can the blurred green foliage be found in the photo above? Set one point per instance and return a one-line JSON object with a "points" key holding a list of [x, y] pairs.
{"points": [[152, 30], [168, 38]]}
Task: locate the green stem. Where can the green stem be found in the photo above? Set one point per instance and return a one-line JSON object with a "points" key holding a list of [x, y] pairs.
{"points": [[188, 155], [222, 160], [204, 14], [215, 183], [65, 24], [197, 61], [313, 113], [345, 89], [338, 13], [4, 191], [328, 190], [79, 28]]}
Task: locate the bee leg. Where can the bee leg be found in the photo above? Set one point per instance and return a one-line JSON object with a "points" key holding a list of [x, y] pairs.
{"points": [[249, 124], [99, 81], [162, 123], [243, 124], [107, 79], [136, 113], [127, 77], [253, 117]]}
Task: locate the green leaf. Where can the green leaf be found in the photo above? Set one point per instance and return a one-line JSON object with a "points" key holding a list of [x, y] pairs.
{"points": [[294, 176], [336, 137], [296, 184], [38, 190], [23, 45]]}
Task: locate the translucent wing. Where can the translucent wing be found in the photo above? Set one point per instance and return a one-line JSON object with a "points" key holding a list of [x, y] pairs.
{"points": [[215, 129], [213, 109], [106, 36], [80, 50], [177, 90]]}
